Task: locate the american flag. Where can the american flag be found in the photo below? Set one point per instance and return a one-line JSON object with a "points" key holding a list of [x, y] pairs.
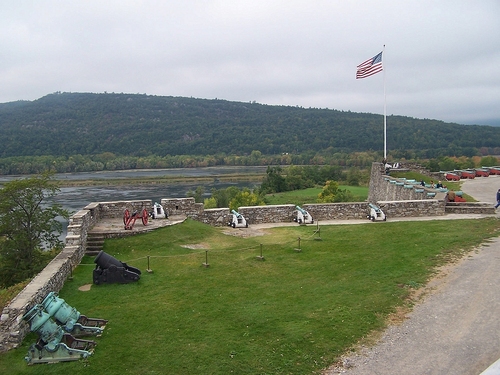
{"points": [[369, 67]]}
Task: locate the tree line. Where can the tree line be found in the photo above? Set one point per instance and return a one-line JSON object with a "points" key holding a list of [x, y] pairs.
{"points": [[110, 162]]}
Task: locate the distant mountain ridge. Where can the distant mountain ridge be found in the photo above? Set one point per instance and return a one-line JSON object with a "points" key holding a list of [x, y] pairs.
{"points": [[63, 124]]}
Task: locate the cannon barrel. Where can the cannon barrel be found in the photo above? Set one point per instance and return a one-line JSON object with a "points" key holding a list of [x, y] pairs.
{"points": [[53, 344], [304, 212], [104, 260], [376, 208], [70, 318], [61, 311], [236, 213], [111, 270]]}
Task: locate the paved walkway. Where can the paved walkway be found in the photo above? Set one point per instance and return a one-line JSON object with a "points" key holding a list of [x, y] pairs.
{"points": [[116, 225]]}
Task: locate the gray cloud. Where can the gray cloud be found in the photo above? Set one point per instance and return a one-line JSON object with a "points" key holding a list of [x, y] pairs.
{"points": [[441, 58]]}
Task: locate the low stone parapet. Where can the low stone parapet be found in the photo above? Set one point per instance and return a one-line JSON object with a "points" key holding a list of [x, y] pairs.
{"points": [[469, 208], [182, 206], [111, 210], [268, 214], [413, 208], [337, 211], [217, 217]]}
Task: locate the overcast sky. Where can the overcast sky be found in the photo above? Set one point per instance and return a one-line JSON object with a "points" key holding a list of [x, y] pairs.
{"points": [[441, 60]]}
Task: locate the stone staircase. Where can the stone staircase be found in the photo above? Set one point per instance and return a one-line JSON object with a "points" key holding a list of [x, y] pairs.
{"points": [[95, 242]]}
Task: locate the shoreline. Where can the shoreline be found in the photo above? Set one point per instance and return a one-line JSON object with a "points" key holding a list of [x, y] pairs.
{"points": [[160, 180]]}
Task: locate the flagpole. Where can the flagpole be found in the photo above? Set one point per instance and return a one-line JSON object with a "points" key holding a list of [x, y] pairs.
{"points": [[385, 105]]}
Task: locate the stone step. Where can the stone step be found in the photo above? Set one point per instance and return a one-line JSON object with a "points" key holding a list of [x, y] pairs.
{"points": [[95, 242]]}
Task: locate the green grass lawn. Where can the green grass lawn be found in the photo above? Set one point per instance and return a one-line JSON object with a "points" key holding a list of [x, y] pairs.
{"points": [[292, 313], [310, 195]]}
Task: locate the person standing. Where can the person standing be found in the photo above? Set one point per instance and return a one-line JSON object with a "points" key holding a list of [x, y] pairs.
{"points": [[498, 199], [451, 196]]}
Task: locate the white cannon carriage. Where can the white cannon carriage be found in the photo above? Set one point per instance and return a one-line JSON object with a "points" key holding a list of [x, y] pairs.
{"points": [[376, 213], [237, 220], [303, 217], [158, 212]]}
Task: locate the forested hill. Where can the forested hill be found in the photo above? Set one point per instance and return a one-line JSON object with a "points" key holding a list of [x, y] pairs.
{"points": [[63, 124]]}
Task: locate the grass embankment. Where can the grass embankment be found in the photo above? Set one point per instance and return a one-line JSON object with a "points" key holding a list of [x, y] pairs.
{"points": [[293, 313], [7, 294], [310, 195]]}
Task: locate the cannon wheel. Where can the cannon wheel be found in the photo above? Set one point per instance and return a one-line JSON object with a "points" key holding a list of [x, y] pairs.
{"points": [[126, 216], [145, 217]]}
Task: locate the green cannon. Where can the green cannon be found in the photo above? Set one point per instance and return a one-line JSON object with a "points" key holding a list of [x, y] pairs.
{"points": [[53, 345], [70, 318]]}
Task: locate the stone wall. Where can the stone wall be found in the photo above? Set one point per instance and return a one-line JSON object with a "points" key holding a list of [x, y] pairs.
{"points": [[182, 206], [268, 214], [217, 217], [469, 208], [337, 211], [413, 208], [109, 210]]}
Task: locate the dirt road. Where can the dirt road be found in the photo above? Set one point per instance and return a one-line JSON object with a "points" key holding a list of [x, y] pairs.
{"points": [[455, 328]]}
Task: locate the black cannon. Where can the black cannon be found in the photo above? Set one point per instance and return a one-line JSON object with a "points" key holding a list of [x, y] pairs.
{"points": [[110, 270]]}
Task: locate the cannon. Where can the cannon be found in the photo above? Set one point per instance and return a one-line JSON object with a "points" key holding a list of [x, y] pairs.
{"points": [[129, 219], [53, 345], [303, 217], [237, 220], [70, 318], [467, 174], [158, 212], [451, 176], [376, 213], [494, 170], [110, 270], [482, 172]]}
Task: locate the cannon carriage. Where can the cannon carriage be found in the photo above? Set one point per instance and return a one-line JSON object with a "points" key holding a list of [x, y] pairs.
{"points": [[376, 213], [302, 216], [237, 220]]}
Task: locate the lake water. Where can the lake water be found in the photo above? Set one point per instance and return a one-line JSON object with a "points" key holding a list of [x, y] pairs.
{"points": [[74, 199]]}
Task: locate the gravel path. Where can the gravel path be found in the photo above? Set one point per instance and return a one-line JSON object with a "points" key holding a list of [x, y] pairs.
{"points": [[455, 327]]}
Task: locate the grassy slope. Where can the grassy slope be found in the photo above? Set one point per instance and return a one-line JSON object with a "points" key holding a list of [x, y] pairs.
{"points": [[300, 197], [293, 313]]}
